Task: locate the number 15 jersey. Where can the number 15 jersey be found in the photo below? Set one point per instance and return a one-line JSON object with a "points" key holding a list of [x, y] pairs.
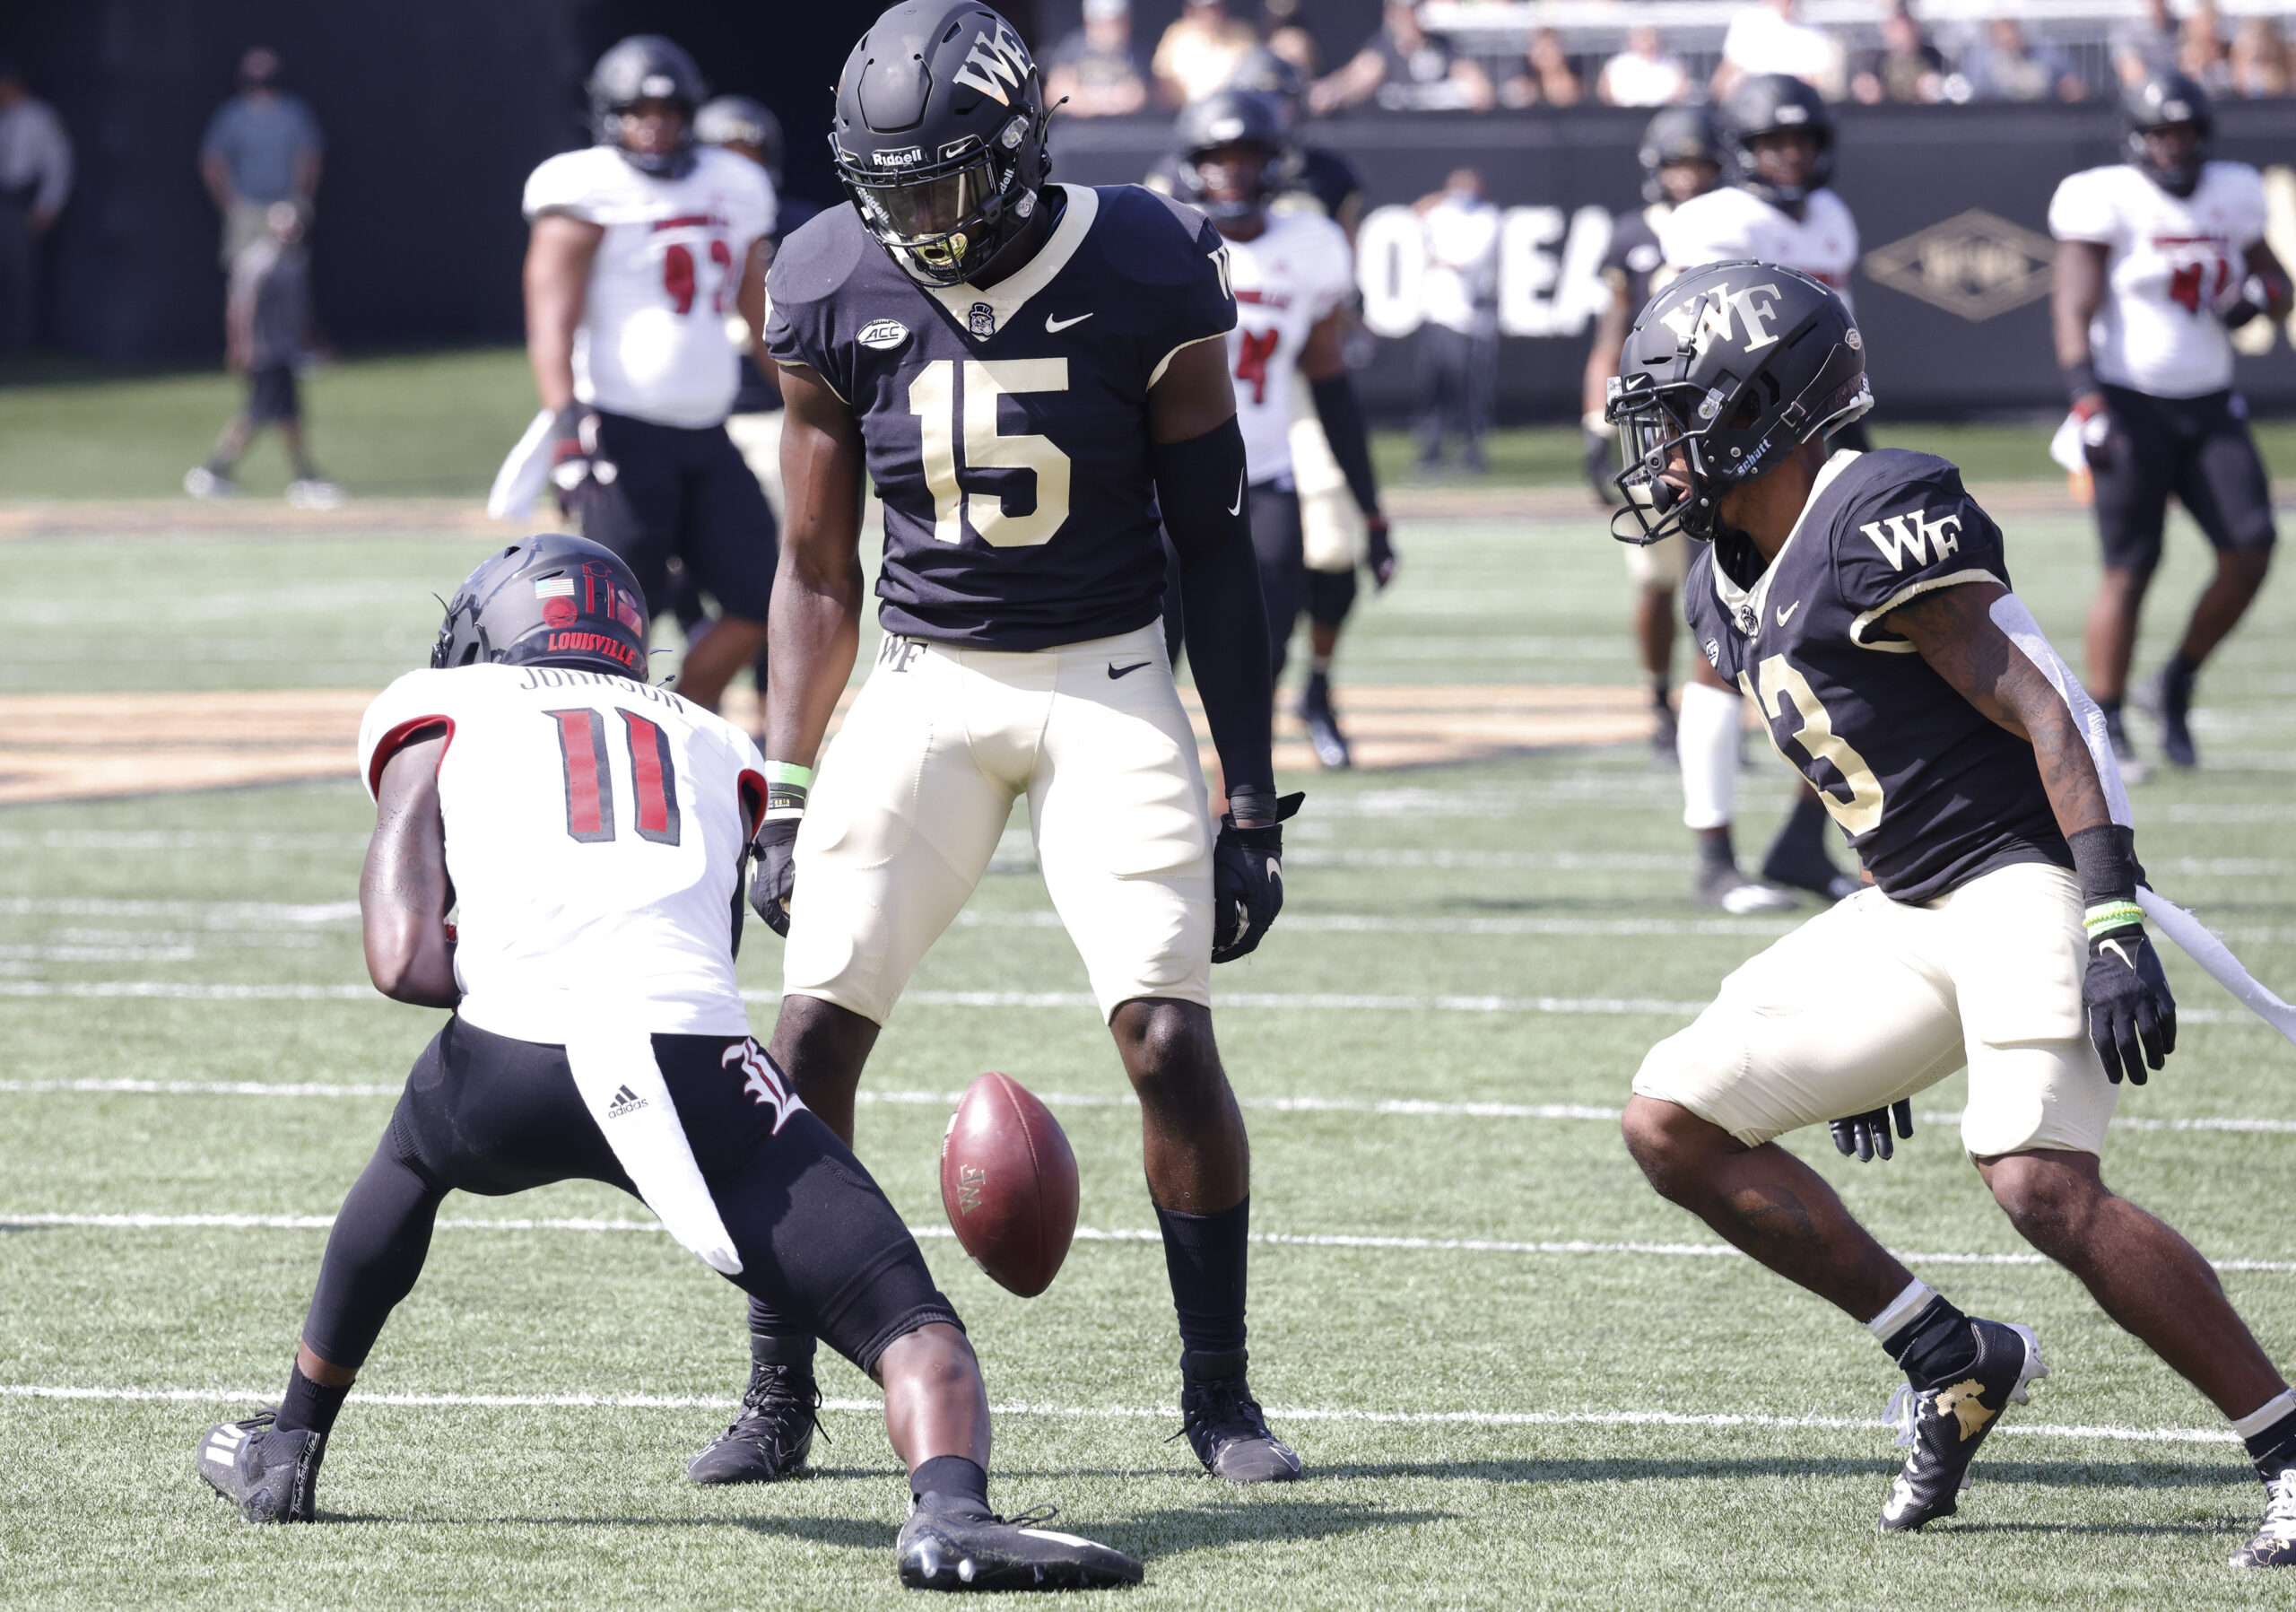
{"points": [[596, 828], [1006, 429]]}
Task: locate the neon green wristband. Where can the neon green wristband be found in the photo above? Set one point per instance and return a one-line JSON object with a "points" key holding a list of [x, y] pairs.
{"points": [[788, 772], [2107, 915]]}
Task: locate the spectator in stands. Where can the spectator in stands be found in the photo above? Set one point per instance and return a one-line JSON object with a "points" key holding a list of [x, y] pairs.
{"points": [[262, 146], [2260, 65], [35, 180], [1199, 52], [1285, 32], [1403, 69], [2004, 64], [1458, 343], [1643, 75], [1095, 69], [2201, 52], [1771, 37], [1907, 69], [1547, 77], [2145, 46]]}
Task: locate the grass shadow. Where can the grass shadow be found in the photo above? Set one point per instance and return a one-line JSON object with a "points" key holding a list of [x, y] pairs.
{"points": [[2065, 1475]]}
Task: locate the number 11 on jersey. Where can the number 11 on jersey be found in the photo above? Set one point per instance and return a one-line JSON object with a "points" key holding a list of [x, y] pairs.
{"points": [[589, 779]]}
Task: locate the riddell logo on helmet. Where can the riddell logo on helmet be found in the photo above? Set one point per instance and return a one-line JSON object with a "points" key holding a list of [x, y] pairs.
{"points": [[591, 643], [908, 156]]}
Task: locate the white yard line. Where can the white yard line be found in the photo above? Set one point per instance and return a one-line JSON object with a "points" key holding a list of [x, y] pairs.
{"points": [[1147, 1413]]}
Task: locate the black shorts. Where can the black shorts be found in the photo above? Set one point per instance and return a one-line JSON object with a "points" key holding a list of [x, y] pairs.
{"points": [[1282, 553], [817, 1238], [2197, 447], [687, 494], [272, 394]]}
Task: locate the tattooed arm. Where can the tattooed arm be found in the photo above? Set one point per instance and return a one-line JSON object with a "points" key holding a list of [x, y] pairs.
{"points": [[1957, 636], [404, 893]]}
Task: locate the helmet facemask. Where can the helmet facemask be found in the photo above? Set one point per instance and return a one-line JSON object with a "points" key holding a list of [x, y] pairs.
{"points": [[945, 222], [1193, 175]]}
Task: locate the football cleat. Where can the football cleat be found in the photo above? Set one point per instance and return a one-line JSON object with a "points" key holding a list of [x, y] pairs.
{"points": [[2167, 699], [956, 1545], [314, 493], [272, 1477], [1726, 888], [201, 482], [2274, 1544], [1225, 1425], [1324, 735], [1943, 1426], [2132, 769], [1804, 867], [774, 1433]]}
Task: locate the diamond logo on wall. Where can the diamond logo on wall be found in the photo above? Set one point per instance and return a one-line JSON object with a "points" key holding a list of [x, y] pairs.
{"points": [[1975, 264]]}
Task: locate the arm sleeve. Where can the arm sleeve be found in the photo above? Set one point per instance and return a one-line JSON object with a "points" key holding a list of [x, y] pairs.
{"points": [[2081, 211], [1341, 413], [2017, 624], [415, 702], [1200, 486], [1909, 536]]}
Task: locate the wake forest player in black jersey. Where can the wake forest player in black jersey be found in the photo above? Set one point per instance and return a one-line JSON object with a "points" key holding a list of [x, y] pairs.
{"points": [[1862, 601], [1028, 373]]}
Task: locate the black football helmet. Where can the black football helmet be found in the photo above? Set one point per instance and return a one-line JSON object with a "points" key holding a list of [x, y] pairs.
{"points": [[1228, 117], [939, 136], [1678, 134], [2161, 100], [1769, 103], [645, 67], [738, 120], [1261, 72], [548, 600], [1736, 364]]}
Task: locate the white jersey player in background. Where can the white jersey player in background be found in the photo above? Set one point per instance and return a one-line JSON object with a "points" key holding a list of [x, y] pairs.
{"points": [[641, 246], [1291, 271], [1776, 208], [2161, 255]]}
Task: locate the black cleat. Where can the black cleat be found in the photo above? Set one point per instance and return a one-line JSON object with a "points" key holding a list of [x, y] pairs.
{"points": [[2167, 699], [1225, 1425], [2274, 1544], [272, 1477], [948, 1544], [1324, 735], [2133, 770], [774, 1433], [1945, 1425]]}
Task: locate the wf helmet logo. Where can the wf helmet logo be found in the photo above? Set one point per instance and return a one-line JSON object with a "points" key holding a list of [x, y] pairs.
{"points": [[763, 1083], [1712, 315], [996, 63], [1915, 536]]}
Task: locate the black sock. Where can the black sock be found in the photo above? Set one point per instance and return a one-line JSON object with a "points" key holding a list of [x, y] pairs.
{"points": [[1802, 833], [1934, 1345], [789, 1349], [1714, 850], [954, 1478], [2275, 1446], [766, 1321], [2180, 673], [309, 1405], [2112, 708], [1661, 685], [1205, 1255]]}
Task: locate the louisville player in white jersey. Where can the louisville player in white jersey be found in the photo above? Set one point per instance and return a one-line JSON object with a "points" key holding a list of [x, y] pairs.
{"points": [[1776, 208], [1293, 273], [641, 246], [588, 833], [2159, 258]]}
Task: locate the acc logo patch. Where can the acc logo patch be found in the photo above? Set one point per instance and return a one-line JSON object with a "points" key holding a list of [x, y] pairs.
{"points": [[884, 334]]}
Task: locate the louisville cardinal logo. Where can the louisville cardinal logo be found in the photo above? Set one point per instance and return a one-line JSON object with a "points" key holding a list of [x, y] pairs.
{"points": [[764, 1084]]}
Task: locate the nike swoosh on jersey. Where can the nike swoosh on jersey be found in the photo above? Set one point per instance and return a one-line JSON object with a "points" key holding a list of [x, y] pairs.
{"points": [[1115, 672], [1238, 507], [1053, 326], [1786, 612]]}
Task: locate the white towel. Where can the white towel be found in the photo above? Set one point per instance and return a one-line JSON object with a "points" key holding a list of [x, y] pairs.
{"points": [[622, 1086], [2196, 941], [523, 475]]}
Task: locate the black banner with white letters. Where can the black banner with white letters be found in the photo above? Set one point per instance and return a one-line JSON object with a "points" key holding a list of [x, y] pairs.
{"points": [[1951, 205]]}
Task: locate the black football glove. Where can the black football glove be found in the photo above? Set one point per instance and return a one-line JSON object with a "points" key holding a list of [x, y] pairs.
{"points": [[1247, 881], [1378, 551], [2103, 443], [575, 467], [1866, 1137], [2131, 1016], [777, 873]]}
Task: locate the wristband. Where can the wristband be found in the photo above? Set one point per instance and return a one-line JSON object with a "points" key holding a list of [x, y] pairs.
{"points": [[2113, 915], [2081, 379], [786, 785], [1257, 803], [2107, 867]]}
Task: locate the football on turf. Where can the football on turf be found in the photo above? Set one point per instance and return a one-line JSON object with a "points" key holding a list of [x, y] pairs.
{"points": [[1008, 1182]]}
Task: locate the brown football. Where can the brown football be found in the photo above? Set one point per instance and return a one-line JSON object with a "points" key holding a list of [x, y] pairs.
{"points": [[1008, 1182]]}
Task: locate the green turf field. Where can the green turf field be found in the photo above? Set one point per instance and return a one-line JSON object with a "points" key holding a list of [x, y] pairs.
{"points": [[437, 424], [1518, 1377]]}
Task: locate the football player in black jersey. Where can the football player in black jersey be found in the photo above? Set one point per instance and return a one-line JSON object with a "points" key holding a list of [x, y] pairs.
{"points": [[1682, 157], [1861, 600], [1028, 373]]}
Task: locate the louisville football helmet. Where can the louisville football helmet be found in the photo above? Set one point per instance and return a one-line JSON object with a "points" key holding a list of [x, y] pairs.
{"points": [[1678, 134], [739, 120], [645, 67], [1771, 103], [548, 600], [1734, 365], [1228, 117], [2163, 100], [939, 136]]}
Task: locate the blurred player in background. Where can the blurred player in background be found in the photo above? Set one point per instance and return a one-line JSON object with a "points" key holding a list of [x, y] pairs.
{"points": [[641, 246], [1071, 344], [2159, 256], [589, 833], [269, 337], [1293, 273], [1682, 158], [1776, 208]]}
